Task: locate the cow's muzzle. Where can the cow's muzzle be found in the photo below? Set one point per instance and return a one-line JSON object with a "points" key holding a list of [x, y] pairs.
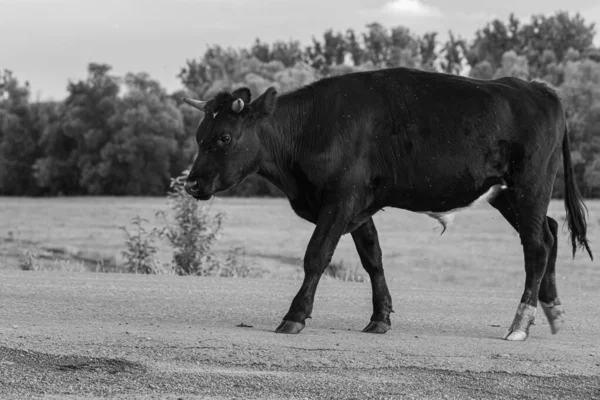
{"points": [[192, 188]]}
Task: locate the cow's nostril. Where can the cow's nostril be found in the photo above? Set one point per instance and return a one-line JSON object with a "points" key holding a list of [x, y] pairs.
{"points": [[191, 186]]}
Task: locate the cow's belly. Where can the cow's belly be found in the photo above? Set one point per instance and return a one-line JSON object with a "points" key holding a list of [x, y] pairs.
{"points": [[437, 206], [447, 217]]}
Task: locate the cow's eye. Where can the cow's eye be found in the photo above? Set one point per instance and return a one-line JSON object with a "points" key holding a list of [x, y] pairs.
{"points": [[225, 139]]}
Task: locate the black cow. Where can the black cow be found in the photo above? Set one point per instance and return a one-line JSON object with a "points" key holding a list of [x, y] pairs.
{"points": [[345, 147]]}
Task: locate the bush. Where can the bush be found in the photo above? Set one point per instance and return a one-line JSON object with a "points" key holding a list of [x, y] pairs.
{"points": [[29, 261], [191, 232], [232, 267], [140, 255]]}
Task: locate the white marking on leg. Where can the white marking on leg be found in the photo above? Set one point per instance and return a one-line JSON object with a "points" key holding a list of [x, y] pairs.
{"points": [[515, 336], [524, 318]]}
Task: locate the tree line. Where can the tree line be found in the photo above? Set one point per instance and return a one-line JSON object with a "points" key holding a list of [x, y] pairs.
{"points": [[126, 135]]}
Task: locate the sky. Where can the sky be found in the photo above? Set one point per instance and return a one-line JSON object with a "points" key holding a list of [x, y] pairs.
{"points": [[49, 42]]}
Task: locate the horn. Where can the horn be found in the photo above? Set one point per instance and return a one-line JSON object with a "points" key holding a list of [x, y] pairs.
{"points": [[199, 104], [237, 106]]}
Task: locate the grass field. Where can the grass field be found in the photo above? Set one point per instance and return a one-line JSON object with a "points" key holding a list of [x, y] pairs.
{"points": [[479, 249]]}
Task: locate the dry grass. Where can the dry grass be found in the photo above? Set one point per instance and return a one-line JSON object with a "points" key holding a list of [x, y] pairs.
{"points": [[479, 249], [341, 271]]}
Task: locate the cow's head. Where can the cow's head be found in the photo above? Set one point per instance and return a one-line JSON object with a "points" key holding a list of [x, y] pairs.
{"points": [[228, 140]]}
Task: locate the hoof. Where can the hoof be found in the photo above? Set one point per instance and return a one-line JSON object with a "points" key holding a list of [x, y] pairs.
{"points": [[377, 327], [519, 329], [515, 336], [556, 325], [289, 327], [555, 315]]}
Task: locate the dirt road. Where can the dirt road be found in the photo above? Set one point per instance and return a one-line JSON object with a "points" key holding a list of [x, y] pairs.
{"points": [[83, 335]]}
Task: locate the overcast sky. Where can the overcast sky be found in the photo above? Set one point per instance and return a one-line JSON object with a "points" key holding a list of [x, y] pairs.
{"points": [[49, 42]]}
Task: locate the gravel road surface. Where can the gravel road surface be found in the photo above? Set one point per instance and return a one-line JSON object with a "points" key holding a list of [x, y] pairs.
{"points": [[88, 336]]}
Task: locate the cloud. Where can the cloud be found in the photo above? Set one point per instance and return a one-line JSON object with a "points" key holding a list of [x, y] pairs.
{"points": [[479, 16], [415, 8]]}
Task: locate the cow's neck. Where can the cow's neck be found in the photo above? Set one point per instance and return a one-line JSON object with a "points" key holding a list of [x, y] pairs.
{"points": [[279, 143]]}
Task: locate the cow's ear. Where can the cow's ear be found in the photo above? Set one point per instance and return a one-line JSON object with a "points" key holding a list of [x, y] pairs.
{"points": [[266, 103], [242, 93]]}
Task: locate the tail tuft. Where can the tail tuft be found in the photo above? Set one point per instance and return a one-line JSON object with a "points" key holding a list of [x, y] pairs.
{"points": [[574, 205]]}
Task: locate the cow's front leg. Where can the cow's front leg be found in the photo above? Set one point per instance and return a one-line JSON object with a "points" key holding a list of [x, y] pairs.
{"points": [[331, 225]]}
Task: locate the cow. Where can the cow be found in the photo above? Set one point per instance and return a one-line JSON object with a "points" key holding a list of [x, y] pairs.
{"points": [[343, 148]]}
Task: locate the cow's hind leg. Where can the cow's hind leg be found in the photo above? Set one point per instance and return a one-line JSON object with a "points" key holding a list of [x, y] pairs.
{"points": [[367, 244], [548, 294], [526, 213]]}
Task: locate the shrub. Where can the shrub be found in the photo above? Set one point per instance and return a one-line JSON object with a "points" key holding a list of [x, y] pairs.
{"points": [[29, 260], [232, 267], [140, 255], [192, 232]]}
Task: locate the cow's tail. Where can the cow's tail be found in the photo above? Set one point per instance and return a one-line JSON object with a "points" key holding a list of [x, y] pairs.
{"points": [[574, 205]]}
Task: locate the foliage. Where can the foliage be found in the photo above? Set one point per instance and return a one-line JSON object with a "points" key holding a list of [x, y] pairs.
{"points": [[126, 136], [234, 265], [28, 261], [580, 93], [98, 142], [453, 55], [140, 253], [18, 137], [513, 65], [191, 232], [144, 142]]}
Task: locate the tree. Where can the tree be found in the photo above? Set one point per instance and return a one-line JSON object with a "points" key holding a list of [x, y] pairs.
{"points": [[404, 49], [295, 77], [18, 138], [357, 53], [377, 44], [493, 40], [453, 55], [56, 170], [89, 109], [334, 48], [483, 70], [104, 141], [332, 51], [513, 65], [137, 159], [547, 40], [314, 55], [213, 72], [428, 48], [261, 51], [580, 93], [288, 53]]}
